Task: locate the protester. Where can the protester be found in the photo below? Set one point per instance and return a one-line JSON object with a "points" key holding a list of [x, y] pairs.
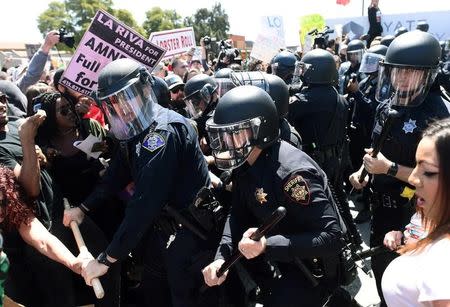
{"points": [[420, 275]]}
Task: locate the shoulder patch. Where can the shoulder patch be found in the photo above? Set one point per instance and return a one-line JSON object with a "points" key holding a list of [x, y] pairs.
{"points": [[297, 190], [153, 141]]}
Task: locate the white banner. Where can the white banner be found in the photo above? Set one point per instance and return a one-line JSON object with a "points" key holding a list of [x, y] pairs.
{"points": [[274, 26], [439, 23], [175, 42], [265, 48]]}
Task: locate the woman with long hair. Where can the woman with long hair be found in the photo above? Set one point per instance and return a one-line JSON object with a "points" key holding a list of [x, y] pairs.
{"points": [[420, 276]]}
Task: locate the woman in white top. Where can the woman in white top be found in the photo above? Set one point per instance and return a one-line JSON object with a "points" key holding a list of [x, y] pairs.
{"points": [[420, 277]]}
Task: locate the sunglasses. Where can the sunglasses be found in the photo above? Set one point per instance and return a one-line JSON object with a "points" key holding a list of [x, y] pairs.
{"points": [[3, 98], [65, 110], [177, 90]]}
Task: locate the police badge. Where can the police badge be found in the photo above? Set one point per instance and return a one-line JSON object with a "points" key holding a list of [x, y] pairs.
{"points": [[409, 126], [297, 190], [260, 196]]}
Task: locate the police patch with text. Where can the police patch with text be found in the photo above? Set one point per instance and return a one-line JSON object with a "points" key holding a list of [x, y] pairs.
{"points": [[297, 190], [153, 141]]}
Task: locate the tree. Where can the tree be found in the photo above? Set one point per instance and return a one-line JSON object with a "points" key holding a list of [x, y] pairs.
{"points": [[158, 19], [76, 15], [213, 23]]}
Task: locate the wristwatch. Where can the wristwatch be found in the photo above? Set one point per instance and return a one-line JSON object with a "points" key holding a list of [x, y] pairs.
{"points": [[392, 171], [104, 260]]}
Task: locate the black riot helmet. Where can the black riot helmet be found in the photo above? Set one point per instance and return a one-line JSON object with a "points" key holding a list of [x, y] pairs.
{"points": [[400, 31], [245, 118], [387, 40], [161, 91], [126, 96], [317, 67], [199, 92], [409, 69], [422, 26], [272, 84], [223, 79], [283, 65], [371, 59], [355, 51]]}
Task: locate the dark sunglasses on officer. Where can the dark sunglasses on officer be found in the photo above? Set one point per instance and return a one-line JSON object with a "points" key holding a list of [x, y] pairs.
{"points": [[177, 89]]}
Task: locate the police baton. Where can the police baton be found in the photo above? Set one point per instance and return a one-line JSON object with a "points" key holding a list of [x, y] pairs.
{"points": [[392, 116], [276, 216], [96, 284]]}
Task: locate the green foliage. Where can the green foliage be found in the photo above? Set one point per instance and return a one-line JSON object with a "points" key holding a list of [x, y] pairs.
{"points": [[76, 16], [158, 19], [213, 23]]}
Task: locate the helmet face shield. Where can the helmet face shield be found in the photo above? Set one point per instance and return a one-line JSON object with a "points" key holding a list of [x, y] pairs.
{"points": [[129, 111], [404, 86], [355, 57], [300, 69], [255, 78], [224, 85], [370, 62], [231, 144], [195, 105]]}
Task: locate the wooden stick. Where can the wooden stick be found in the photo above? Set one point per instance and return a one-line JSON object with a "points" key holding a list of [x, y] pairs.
{"points": [[96, 284]]}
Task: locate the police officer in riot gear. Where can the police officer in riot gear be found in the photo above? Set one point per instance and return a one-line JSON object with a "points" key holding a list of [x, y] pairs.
{"points": [[406, 75], [201, 96], [400, 31], [387, 40], [363, 115], [422, 26], [160, 154], [278, 90], [161, 91], [283, 65], [267, 173], [355, 51], [319, 114]]}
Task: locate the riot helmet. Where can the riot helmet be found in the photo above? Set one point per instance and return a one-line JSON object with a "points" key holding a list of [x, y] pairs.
{"points": [[371, 59], [409, 69], [387, 40], [283, 65], [400, 31], [161, 91], [272, 84], [422, 26], [199, 91], [245, 118], [126, 96], [317, 67], [223, 80], [355, 51]]}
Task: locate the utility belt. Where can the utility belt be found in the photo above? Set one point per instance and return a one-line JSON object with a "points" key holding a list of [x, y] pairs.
{"points": [[204, 217], [387, 201], [323, 152]]}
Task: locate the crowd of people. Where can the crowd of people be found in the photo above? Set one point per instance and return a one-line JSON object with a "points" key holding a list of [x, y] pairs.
{"points": [[178, 198]]}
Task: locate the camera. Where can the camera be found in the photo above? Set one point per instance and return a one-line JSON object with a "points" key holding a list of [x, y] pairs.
{"points": [[207, 40], [66, 38]]}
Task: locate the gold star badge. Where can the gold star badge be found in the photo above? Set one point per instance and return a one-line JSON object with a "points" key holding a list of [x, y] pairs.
{"points": [[260, 196], [299, 192]]}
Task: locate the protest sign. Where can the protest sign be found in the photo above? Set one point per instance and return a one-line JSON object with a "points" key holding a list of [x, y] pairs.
{"points": [[175, 42], [107, 39]]}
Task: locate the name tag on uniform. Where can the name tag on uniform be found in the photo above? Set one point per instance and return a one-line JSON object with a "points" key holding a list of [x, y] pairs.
{"points": [[153, 141]]}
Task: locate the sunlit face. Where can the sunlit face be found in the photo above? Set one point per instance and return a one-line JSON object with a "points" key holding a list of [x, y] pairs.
{"points": [[425, 176], [239, 139], [65, 116]]}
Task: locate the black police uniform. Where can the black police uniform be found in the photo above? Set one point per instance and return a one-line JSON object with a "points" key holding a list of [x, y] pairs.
{"points": [[284, 175], [319, 114], [289, 134], [391, 207], [33, 278], [167, 166]]}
